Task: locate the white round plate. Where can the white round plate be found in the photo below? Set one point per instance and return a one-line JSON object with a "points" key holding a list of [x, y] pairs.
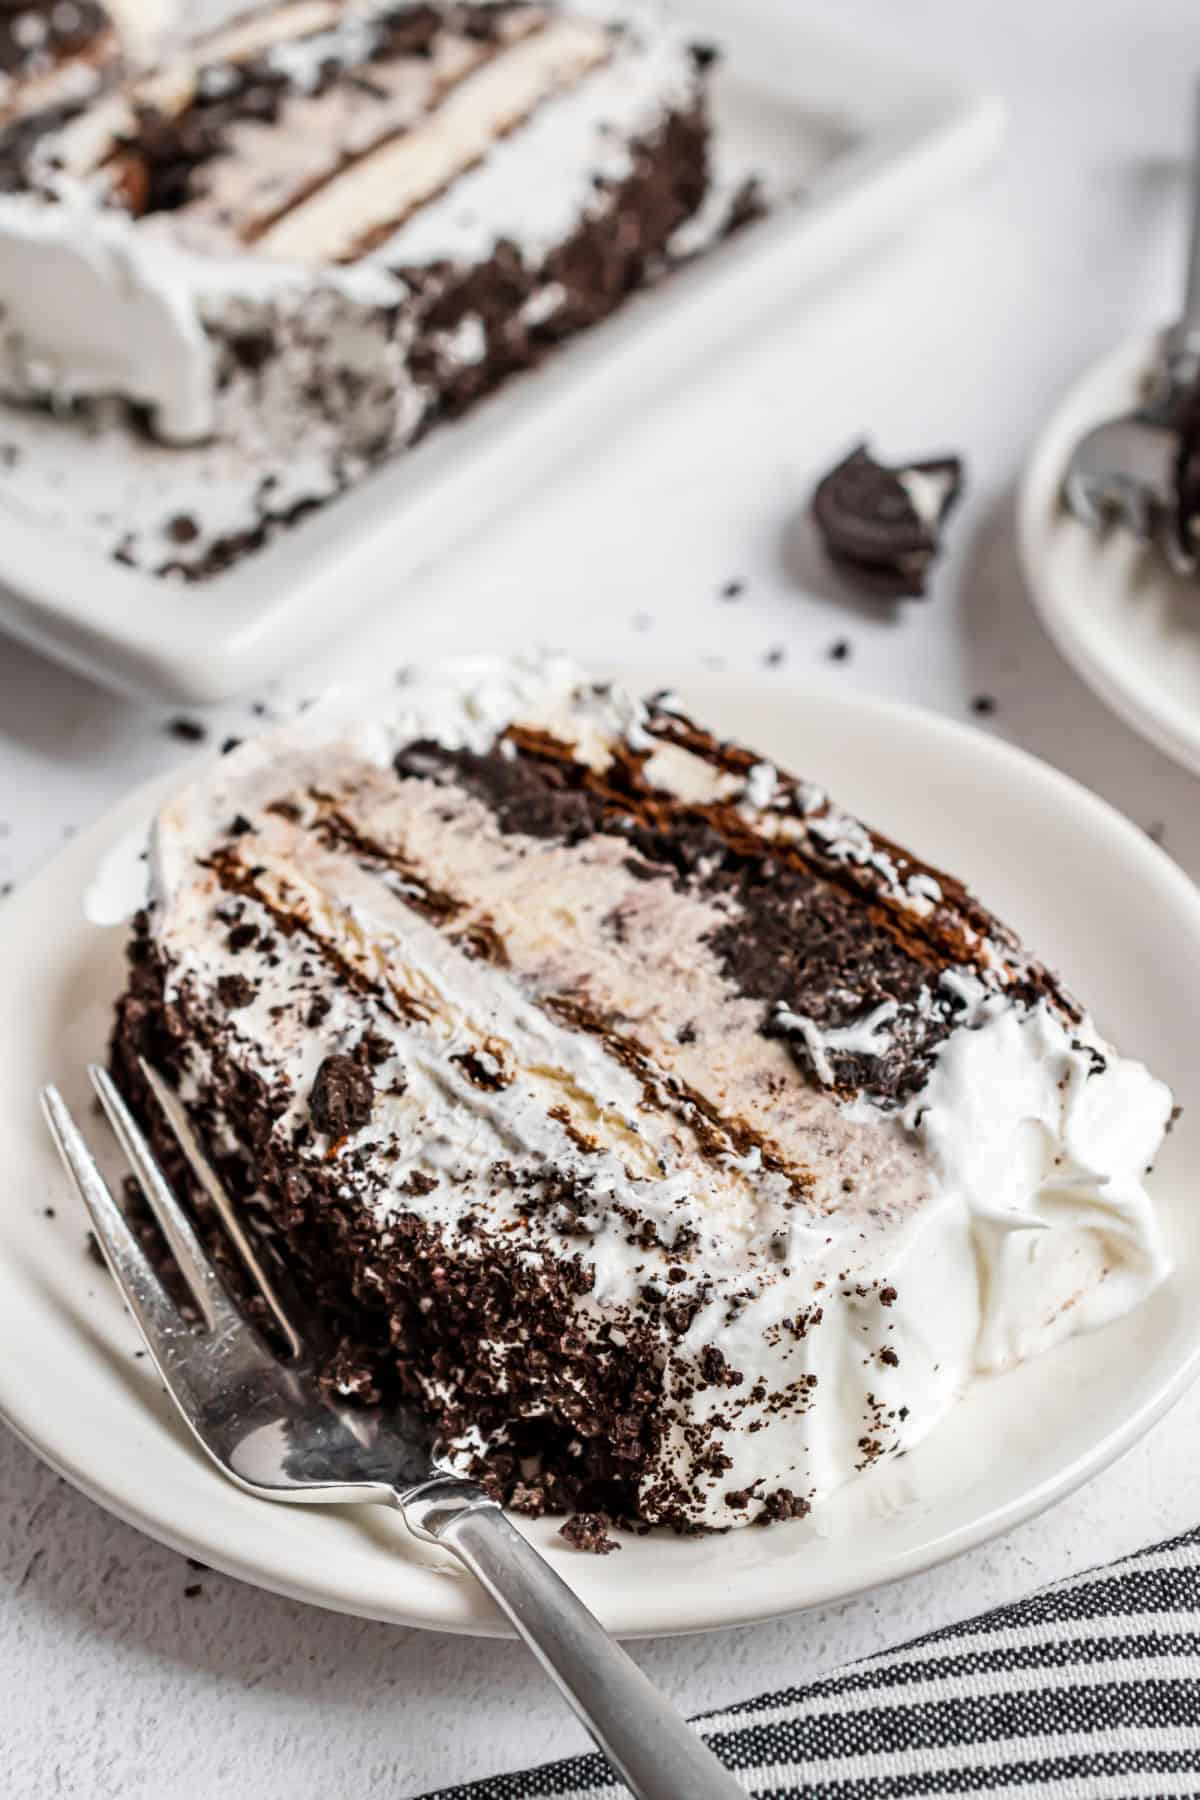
{"points": [[1096, 897], [1125, 622]]}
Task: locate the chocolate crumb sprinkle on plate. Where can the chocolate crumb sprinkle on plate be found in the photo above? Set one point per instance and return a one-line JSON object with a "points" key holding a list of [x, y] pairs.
{"points": [[589, 1531]]}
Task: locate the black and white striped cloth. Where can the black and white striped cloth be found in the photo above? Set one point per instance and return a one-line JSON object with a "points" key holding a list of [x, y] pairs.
{"points": [[1089, 1690]]}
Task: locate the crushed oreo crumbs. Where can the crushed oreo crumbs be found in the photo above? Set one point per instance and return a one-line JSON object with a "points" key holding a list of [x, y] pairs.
{"points": [[342, 1096], [186, 731], [589, 1531]]}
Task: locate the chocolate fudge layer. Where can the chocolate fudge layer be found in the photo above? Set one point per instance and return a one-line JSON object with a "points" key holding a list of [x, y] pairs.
{"points": [[680, 1144]]}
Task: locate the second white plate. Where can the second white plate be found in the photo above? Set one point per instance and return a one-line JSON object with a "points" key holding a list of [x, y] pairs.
{"points": [[1087, 888], [1126, 623]]}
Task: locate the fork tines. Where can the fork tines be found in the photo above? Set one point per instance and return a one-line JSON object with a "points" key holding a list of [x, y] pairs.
{"points": [[172, 1341]]}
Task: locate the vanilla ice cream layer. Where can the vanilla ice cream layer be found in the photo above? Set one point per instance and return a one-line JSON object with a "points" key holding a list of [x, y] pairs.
{"points": [[558, 1004]]}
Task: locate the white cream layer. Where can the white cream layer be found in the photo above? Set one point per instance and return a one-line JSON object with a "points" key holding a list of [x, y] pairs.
{"points": [[476, 114], [1001, 1210]]}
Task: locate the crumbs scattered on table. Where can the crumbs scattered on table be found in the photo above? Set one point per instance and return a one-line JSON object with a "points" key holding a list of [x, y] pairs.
{"points": [[6, 888], [192, 1589], [983, 704], [839, 650], [187, 731], [200, 1568], [748, 204], [230, 743], [733, 590], [48, 1212], [774, 656], [182, 529]]}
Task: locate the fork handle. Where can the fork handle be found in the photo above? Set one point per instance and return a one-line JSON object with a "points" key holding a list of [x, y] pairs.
{"points": [[658, 1755], [1191, 298], [1181, 345]]}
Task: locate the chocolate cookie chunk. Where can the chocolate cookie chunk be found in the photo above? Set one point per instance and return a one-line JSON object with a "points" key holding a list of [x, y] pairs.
{"points": [[341, 1097], [235, 991], [884, 525]]}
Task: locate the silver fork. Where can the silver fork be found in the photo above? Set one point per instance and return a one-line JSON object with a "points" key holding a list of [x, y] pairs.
{"points": [[270, 1428], [1125, 469]]}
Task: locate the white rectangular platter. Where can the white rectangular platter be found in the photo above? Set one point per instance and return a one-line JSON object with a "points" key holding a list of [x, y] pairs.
{"points": [[865, 144]]}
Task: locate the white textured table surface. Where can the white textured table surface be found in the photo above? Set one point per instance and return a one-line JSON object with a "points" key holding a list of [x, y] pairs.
{"points": [[116, 1682]]}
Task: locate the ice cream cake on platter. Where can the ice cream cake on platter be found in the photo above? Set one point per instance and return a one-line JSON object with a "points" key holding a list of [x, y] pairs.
{"points": [[680, 1144], [306, 235]]}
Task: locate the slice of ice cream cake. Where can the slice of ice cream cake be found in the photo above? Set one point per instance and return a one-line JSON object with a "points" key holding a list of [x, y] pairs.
{"points": [[682, 1145]]}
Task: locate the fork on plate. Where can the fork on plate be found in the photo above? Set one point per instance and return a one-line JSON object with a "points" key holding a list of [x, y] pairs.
{"points": [[270, 1427], [1125, 469]]}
